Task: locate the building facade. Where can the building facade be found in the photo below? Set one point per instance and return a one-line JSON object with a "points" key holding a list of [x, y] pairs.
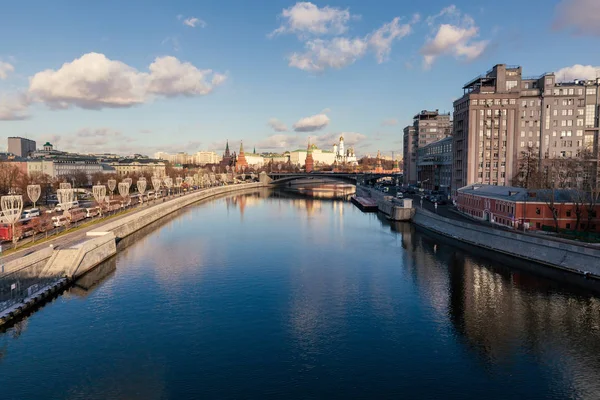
{"points": [[320, 157], [427, 127], [434, 165], [502, 114], [344, 156], [139, 166], [518, 208], [21, 147], [206, 157]]}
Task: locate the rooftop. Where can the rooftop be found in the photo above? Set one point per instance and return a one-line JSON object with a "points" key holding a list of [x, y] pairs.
{"points": [[512, 193]]}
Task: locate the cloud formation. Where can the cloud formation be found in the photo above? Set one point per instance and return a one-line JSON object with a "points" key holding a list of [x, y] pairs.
{"points": [[305, 18], [14, 107], [5, 69], [390, 122], [581, 17], [325, 141], [193, 22], [577, 71], [456, 38], [93, 82], [308, 21], [311, 124], [277, 125], [279, 142]]}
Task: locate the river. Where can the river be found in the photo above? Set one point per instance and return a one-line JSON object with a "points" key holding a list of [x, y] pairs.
{"points": [[297, 294]]}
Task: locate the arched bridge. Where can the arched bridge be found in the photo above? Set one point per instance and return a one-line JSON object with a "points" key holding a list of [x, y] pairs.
{"points": [[280, 178]]}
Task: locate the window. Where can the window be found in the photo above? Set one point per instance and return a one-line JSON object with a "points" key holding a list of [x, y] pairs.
{"points": [[555, 112], [522, 144], [570, 111], [580, 133], [571, 92], [474, 102], [563, 123], [590, 90], [563, 112], [590, 115], [579, 122], [580, 91], [570, 122], [580, 111], [538, 211], [524, 103]]}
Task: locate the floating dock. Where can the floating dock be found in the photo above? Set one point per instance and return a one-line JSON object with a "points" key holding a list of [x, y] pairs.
{"points": [[364, 204]]}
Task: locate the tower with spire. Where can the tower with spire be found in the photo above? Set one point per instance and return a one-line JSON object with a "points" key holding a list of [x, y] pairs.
{"points": [[378, 165], [309, 164], [241, 159]]}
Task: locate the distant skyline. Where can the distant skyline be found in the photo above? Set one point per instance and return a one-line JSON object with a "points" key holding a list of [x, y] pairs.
{"points": [[187, 75]]}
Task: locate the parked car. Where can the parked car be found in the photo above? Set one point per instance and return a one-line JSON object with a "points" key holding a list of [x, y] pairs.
{"points": [[32, 212], [59, 220], [399, 195]]}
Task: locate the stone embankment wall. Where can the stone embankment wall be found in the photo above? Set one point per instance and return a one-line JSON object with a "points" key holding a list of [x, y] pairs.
{"points": [[557, 254]]}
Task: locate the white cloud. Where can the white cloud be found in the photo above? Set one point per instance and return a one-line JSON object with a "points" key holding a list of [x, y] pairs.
{"points": [[194, 22], [322, 54], [277, 125], [279, 141], [339, 52], [582, 17], [14, 107], [577, 71], [311, 124], [5, 69], [305, 18], [381, 39], [325, 141], [390, 122], [93, 82], [326, 111], [456, 39]]}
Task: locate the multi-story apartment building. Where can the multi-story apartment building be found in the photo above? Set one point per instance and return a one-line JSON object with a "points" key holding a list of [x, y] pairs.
{"points": [[434, 165], [503, 114], [21, 147], [409, 155], [206, 157], [427, 127], [128, 166]]}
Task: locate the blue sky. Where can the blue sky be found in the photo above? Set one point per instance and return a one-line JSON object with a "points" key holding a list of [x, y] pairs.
{"points": [[140, 76]]}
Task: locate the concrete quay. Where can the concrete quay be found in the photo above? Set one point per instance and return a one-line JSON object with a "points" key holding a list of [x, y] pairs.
{"points": [[556, 254], [60, 267], [395, 209]]}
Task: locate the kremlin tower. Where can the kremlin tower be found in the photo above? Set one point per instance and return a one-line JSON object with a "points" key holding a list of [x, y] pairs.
{"points": [[241, 159], [378, 166], [309, 163]]}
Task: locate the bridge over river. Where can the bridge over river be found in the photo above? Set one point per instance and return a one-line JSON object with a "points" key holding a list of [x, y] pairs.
{"points": [[280, 178]]}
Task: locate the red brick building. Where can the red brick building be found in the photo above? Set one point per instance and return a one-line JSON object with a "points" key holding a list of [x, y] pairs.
{"points": [[512, 207], [309, 163]]}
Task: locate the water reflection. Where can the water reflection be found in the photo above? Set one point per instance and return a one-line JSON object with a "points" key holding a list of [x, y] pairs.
{"points": [[296, 296]]}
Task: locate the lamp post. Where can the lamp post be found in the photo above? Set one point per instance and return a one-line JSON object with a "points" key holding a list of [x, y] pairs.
{"points": [[112, 185], [156, 182], [141, 187], [12, 207], [34, 192], [124, 190], [99, 192]]}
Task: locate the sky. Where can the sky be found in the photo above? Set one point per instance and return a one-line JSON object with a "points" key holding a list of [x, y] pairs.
{"points": [[144, 76]]}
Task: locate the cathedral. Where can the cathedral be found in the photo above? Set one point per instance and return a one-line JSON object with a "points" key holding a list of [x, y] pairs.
{"points": [[344, 157]]}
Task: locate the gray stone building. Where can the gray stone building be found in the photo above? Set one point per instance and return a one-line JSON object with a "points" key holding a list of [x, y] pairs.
{"points": [[427, 127], [434, 165], [503, 114], [21, 147]]}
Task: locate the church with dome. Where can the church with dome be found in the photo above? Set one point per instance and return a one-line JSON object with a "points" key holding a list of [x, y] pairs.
{"points": [[344, 156]]}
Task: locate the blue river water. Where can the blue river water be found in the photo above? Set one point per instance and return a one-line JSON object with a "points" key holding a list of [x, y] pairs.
{"points": [[296, 295]]}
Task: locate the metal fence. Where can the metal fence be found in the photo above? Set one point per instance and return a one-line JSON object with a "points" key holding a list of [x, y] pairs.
{"points": [[19, 285]]}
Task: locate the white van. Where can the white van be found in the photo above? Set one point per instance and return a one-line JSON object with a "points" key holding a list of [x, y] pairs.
{"points": [[32, 212], [59, 220], [92, 212]]}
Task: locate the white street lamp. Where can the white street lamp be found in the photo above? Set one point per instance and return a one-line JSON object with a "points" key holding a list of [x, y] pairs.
{"points": [[156, 182], [34, 192], [99, 192], [112, 185], [12, 207], [141, 187]]}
